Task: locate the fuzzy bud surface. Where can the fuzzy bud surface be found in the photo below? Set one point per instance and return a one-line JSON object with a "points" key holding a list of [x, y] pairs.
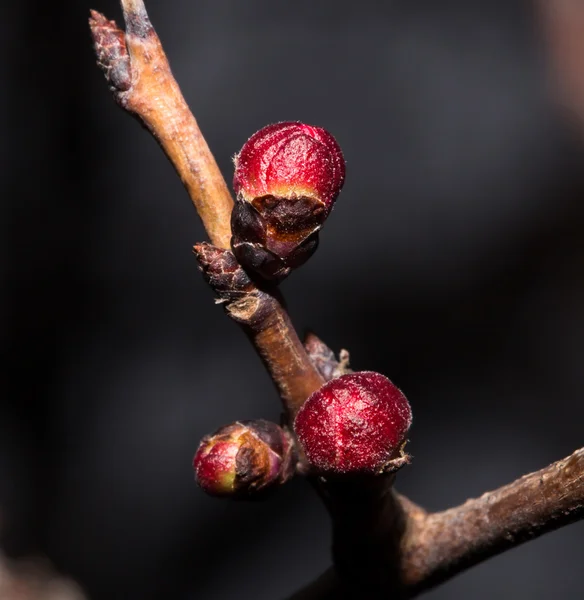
{"points": [[356, 423], [287, 178]]}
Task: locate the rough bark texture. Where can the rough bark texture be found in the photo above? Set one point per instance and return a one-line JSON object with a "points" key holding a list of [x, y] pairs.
{"points": [[410, 551]]}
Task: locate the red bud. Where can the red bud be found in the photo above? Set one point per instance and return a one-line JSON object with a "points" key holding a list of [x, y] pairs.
{"points": [[356, 423], [287, 177], [244, 458], [290, 160]]}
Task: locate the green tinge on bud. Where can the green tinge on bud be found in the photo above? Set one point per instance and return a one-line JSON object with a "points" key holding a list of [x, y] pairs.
{"points": [[245, 458], [287, 177]]}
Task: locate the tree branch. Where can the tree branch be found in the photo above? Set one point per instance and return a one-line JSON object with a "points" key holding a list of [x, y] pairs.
{"points": [[435, 547], [261, 314], [449, 542], [383, 544]]}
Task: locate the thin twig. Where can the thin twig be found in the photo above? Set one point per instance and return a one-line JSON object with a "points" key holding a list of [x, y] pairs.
{"points": [[141, 81], [451, 541]]}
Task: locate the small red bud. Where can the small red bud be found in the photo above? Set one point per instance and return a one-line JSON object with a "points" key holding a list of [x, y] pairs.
{"points": [[356, 423], [287, 177], [244, 458]]}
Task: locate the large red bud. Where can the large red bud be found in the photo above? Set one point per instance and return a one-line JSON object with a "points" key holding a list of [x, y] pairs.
{"points": [[287, 177], [356, 423]]}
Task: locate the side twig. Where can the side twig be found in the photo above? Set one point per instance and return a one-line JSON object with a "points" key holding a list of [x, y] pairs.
{"points": [[449, 542]]}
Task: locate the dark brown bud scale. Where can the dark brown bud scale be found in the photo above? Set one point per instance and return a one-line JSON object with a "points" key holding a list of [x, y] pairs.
{"points": [[222, 272], [287, 177], [356, 423], [245, 458]]}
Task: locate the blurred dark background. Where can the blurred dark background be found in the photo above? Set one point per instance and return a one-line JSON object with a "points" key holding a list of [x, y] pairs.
{"points": [[453, 263]]}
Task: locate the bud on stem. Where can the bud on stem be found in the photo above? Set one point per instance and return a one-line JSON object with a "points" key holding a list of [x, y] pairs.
{"points": [[245, 458], [287, 177], [324, 359], [356, 423]]}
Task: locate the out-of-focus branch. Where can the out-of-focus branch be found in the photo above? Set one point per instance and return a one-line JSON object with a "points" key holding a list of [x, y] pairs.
{"points": [[34, 579], [139, 75], [448, 542], [563, 27], [435, 547]]}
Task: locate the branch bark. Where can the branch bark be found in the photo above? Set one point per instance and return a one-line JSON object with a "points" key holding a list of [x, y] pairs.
{"points": [[139, 75], [384, 545], [433, 548], [449, 542], [261, 314]]}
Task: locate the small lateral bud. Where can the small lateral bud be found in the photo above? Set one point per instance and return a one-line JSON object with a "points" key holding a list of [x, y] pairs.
{"points": [[324, 359], [287, 177], [356, 423], [112, 54], [244, 458]]}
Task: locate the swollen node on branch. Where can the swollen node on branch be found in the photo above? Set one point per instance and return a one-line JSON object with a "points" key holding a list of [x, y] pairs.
{"points": [[287, 177]]}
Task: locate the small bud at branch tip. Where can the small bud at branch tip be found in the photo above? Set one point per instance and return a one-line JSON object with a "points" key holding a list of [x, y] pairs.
{"points": [[112, 54]]}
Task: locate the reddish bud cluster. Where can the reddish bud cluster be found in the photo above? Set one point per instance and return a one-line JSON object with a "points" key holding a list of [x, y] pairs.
{"points": [[356, 423], [244, 458], [287, 177]]}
